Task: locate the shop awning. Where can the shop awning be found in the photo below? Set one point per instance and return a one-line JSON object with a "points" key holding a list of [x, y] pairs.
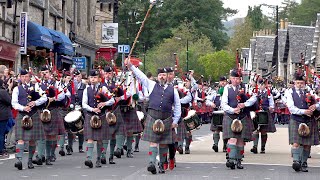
{"points": [[39, 36], [64, 45], [55, 36], [66, 59]]}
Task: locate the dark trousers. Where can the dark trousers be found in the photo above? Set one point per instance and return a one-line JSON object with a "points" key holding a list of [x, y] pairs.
{"points": [[3, 125], [70, 139]]}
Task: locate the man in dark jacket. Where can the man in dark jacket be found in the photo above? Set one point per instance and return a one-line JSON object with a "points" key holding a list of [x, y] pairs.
{"points": [[5, 111]]}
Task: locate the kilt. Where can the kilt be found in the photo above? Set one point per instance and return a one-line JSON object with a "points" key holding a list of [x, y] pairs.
{"points": [[181, 132], [131, 121], [119, 127], [56, 125], [271, 127], [294, 137], [214, 127], [246, 133], [203, 109], [149, 135], [100, 134], [36, 133]]}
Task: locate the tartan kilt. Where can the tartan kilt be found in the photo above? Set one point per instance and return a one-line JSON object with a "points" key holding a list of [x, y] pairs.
{"points": [[131, 121], [56, 125], [119, 127], [246, 133], [181, 132], [164, 138], [271, 127], [294, 137], [36, 133], [100, 134], [214, 128], [203, 109]]}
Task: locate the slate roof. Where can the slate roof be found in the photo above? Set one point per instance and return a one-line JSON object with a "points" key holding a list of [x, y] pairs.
{"points": [[282, 38], [245, 53], [264, 44], [299, 37]]}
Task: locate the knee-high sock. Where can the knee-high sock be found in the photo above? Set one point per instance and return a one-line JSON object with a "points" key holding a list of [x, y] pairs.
{"points": [[180, 143], [305, 155], [53, 147], [240, 152], [70, 139], [255, 139], [232, 151], [19, 151], [172, 151], [89, 150], [61, 141], [153, 152], [112, 146], [264, 138], [163, 152], [48, 148], [137, 138], [129, 142], [32, 150], [188, 141], [105, 144], [99, 150], [296, 154], [120, 141], [41, 147], [81, 140], [216, 138]]}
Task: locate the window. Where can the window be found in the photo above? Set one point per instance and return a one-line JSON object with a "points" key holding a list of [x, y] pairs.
{"points": [[101, 7], [110, 7]]}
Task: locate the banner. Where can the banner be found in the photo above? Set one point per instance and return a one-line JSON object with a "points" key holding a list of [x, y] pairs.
{"points": [[23, 32], [109, 33]]}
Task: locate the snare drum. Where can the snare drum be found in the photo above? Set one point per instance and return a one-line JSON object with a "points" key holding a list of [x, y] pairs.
{"points": [[74, 120], [192, 121], [262, 118], [217, 118]]}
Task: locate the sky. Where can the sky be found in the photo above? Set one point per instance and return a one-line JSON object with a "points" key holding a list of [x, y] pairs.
{"points": [[242, 6]]}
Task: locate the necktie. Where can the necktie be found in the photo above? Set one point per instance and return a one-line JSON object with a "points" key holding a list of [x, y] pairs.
{"points": [[301, 93]]}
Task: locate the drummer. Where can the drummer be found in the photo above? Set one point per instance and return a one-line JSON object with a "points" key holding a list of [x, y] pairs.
{"points": [[236, 109], [214, 101], [94, 102], [266, 103]]}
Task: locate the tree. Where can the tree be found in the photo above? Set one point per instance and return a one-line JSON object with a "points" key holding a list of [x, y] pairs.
{"points": [[218, 63], [255, 15]]}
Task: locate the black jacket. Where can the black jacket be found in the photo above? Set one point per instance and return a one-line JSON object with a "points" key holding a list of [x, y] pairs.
{"points": [[5, 105]]}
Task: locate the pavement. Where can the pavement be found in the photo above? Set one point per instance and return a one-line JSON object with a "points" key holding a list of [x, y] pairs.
{"points": [[202, 163]]}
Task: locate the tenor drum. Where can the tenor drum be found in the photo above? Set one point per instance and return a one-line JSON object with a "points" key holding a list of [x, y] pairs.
{"points": [[192, 121], [262, 118], [217, 118], [74, 120]]}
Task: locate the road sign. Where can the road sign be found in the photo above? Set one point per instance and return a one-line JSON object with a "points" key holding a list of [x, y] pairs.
{"points": [[80, 62], [123, 49]]}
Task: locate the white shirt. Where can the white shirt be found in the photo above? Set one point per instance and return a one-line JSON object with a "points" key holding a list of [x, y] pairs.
{"points": [[149, 84]]}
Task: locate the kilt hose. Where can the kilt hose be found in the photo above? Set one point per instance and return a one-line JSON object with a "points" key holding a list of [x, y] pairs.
{"points": [[150, 136], [36, 133], [294, 137], [56, 125], [245, 134], [131, 120], [119, 127], [270, 127], [103, 133]]}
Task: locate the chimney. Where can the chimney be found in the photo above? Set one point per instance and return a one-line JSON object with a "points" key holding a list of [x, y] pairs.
{"points": [[282, 24]]}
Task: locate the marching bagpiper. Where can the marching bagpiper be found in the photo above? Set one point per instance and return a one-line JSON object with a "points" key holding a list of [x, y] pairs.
{"points": [[159, 122], [96, 102], [303, 129], [27, 99], [237, 126]]}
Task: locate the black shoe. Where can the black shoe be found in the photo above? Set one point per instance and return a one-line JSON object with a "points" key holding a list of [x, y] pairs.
{"points": [[48, 161], [263, 150], [69, 151], [304, 167], [37, 161], [62, 153], [187, 150], [80, 149], [18, 165], [103, 160], [161, 169], [30, 165], [180, 149], [215, 148], [88, 163], [111, 160], [239, 165], [43, 159], [125, 147], [117, 153], [227, 156], [98, 163], [230, 164], [136, 149], [53, 158], [129, 154], [152, 168], [254, 150], [296, 166]]}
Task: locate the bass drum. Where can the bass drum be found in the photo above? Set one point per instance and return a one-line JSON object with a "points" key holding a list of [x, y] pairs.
{"points": [[74, 121], [192, 121]]}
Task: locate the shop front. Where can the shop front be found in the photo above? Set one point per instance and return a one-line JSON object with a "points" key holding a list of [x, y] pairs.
{"points": [[8, 54]]}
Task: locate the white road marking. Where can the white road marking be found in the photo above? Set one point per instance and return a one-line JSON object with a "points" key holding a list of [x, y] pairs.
{"points": [[187, 167], [132, 166], [84, 175], [24, 176], [78, 167], [271, 169], [214, 167], [267, 178], [144, 175], [235, 177], [55, 175], [205, 176]]}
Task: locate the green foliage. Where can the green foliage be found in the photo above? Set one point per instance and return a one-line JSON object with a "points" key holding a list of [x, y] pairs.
{"points": [[255, 15], [217, 64], [243, 33]]}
